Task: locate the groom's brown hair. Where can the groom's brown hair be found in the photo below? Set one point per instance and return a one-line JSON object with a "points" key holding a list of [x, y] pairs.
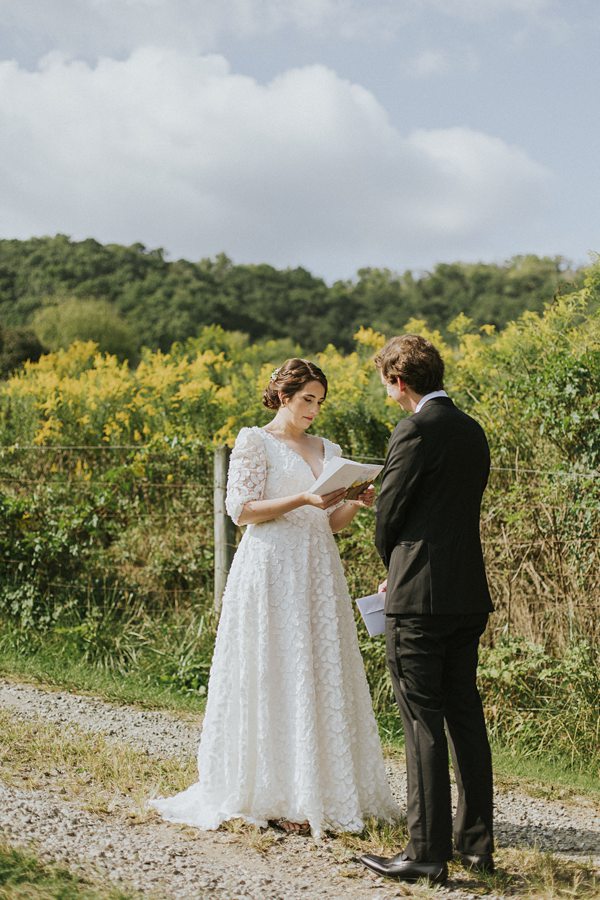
{"points": [[415, 360]]}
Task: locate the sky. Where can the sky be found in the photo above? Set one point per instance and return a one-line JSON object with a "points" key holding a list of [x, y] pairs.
{"points": [[329, 134]]}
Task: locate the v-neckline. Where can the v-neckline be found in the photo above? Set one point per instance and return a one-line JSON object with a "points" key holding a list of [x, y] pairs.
{"points": [[299, 455]]}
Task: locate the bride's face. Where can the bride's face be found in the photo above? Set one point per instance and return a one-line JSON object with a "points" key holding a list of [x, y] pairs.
{"points": [[305, 405]]}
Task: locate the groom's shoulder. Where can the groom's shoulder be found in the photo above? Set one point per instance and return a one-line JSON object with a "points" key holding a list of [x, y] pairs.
{"points": [[469, 420], [456, 421], [406, 429], [444, 416], [443, 408]]}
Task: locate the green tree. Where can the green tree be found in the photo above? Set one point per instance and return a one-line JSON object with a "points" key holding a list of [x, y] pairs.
{"points": [[58, 325], [16, 346]]}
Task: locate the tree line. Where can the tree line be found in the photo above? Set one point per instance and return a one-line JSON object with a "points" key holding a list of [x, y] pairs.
{"points": [[54, 290]]}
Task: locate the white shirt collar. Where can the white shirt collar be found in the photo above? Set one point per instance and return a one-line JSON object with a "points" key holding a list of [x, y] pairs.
{"points": [[427, 397]]}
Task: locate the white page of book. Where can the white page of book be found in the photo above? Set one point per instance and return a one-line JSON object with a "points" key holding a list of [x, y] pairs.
{"points": [[341, 473]]}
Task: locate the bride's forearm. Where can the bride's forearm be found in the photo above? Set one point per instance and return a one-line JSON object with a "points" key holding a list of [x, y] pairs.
{"points": [[257, 511], [343, 516]]}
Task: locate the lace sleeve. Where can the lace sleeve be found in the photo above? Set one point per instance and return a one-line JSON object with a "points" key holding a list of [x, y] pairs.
{"points": [[247, 472], [334, 450]]}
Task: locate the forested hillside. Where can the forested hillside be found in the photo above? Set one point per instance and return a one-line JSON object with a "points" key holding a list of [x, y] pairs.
{"points": [[128, 297]]}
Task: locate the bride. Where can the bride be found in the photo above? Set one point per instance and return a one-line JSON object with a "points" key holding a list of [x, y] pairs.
{"points": [[289, 736]]}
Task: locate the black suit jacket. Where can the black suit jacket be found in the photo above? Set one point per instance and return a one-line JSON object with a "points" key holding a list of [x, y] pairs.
{"points": [[428, 513]]}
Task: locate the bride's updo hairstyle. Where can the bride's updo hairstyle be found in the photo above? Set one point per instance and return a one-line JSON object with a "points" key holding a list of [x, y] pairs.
{"points": [[290, 378]]}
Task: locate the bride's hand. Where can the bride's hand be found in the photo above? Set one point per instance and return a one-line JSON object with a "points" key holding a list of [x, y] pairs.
{"points": [[325, 501]]}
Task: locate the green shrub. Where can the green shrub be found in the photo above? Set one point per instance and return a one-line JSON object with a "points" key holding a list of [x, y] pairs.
{"points": [[541, 704]]}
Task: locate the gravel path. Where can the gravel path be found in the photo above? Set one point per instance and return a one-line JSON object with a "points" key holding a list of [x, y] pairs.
{"points": [[169, 861], [159, 733]]}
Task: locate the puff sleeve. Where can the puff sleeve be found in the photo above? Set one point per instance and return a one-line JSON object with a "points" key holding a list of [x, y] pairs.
{"points": [[247, 472]]}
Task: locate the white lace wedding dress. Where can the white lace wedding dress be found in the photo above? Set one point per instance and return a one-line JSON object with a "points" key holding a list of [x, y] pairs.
{"points": [[289, 730]]}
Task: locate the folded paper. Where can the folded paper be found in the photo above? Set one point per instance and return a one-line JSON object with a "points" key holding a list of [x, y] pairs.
{"points": [[371, 609]]}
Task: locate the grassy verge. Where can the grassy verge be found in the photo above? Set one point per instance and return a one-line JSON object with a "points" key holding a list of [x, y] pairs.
{"points": [[538, 776], [48, 666], [23, 875]]}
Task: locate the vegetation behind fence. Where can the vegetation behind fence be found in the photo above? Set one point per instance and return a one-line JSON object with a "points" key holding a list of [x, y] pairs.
{"points": [[106, 497]]}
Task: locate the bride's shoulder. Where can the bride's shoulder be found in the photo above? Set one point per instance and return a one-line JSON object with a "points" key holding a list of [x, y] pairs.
{"points": [[249, 436]]}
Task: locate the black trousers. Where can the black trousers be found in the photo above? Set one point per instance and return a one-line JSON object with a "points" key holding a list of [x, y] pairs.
{"points": [[433, 664]]}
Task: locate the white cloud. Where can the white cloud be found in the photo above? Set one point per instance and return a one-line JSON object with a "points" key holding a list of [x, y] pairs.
{"points": [[478, 176], [178, 151]]}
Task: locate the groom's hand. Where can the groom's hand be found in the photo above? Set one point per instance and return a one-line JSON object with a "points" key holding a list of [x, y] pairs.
{"points": [[382, 587], [365, 498]]}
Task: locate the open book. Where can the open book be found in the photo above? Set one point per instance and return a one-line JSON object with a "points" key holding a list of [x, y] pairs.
{"points": [[341, 473]]}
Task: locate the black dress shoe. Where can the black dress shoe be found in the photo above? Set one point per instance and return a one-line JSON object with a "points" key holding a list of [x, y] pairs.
{"points": [[405, 869], [478, 862]]}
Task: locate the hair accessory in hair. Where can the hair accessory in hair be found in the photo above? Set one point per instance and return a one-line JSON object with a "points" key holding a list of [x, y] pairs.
{"points": [[274, 374]]}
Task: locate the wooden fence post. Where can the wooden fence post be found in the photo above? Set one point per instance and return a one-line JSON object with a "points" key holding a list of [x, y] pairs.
{"points": [[224, 527]]}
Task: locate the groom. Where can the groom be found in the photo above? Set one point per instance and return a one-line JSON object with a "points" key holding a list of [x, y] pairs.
{"points": [[437, 605]]}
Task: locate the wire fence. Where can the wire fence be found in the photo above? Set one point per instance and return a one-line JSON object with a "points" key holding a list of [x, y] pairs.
{"points": [[151, 452], [156, 506]]}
